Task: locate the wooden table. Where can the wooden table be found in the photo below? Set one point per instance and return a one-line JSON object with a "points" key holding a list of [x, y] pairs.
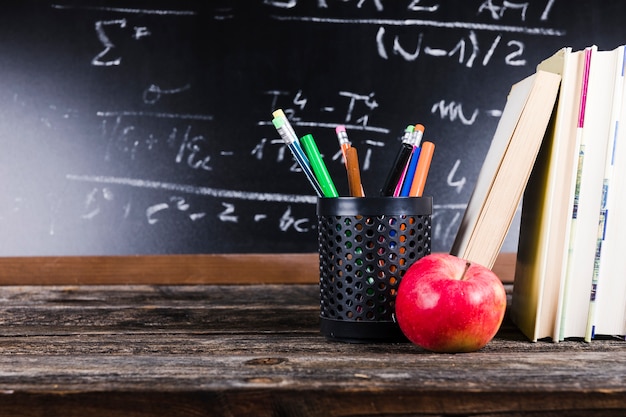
{"points": [[256, 350]]}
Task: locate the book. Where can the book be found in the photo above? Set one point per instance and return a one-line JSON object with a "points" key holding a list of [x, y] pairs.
{"points": [[608, 317], [546, 208], [584, 245], [568, 279], [506, 168]]}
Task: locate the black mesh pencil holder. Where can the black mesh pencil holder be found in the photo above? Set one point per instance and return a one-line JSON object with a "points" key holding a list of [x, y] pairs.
{"points": [[365, 247]]}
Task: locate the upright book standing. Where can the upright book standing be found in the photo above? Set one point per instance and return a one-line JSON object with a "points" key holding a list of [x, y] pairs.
{"points": [[606, 313], [506, 168], [584, 245], [563, 212], [547, 208]]}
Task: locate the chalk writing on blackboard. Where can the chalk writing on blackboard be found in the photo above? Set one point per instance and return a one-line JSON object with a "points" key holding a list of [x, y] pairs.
{"points": [[159, 119]]}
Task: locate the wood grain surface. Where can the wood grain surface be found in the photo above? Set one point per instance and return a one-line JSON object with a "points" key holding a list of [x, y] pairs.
{"points": [[256, 350]]}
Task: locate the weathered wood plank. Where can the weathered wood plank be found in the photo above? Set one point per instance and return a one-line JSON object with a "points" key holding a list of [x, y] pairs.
{"points": [[256, 350], [291, 363], [260, 402], [98, 296]]}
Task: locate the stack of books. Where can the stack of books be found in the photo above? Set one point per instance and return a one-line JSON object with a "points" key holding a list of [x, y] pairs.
{"points": [[569, 161]]}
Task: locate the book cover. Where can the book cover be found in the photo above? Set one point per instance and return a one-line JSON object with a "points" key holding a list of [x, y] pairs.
{"points": [[583, 244], [514, 106], [546, 209], [607, 311], [506, 170]]}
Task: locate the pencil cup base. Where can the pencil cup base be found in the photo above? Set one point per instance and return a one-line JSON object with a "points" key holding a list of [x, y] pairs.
{"points": [[365, 247], [361, 331]]}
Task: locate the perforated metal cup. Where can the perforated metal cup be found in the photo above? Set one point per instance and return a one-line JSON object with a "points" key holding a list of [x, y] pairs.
{"points": [[365, 247]]}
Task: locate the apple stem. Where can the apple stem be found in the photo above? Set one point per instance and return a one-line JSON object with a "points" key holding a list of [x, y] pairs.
{"points": [[467, 265]]}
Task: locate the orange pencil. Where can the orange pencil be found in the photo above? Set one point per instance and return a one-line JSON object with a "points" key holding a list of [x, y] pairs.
{"points": [[421, 172], [354, 173]]}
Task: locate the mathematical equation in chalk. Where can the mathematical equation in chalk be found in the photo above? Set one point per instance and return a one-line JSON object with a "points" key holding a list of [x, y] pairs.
{"points": [[188, 140], [390, 39], [158, 118], [106, 201]]}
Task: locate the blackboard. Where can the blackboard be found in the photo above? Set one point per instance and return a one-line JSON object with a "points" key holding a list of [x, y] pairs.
{"points": [[144, 127]]}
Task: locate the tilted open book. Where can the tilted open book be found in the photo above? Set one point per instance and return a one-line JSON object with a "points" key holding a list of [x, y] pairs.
{"points": [[506, 169]]}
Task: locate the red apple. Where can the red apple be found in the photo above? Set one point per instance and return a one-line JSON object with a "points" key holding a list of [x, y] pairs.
{"points": [[447, 304]]}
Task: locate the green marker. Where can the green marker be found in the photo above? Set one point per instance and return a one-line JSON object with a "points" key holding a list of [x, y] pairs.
{"points": [[319, 168]]}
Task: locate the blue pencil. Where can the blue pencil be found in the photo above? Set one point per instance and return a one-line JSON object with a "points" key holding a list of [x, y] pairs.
{"points": [[418, 133], [294, 146], [410, 172]]}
